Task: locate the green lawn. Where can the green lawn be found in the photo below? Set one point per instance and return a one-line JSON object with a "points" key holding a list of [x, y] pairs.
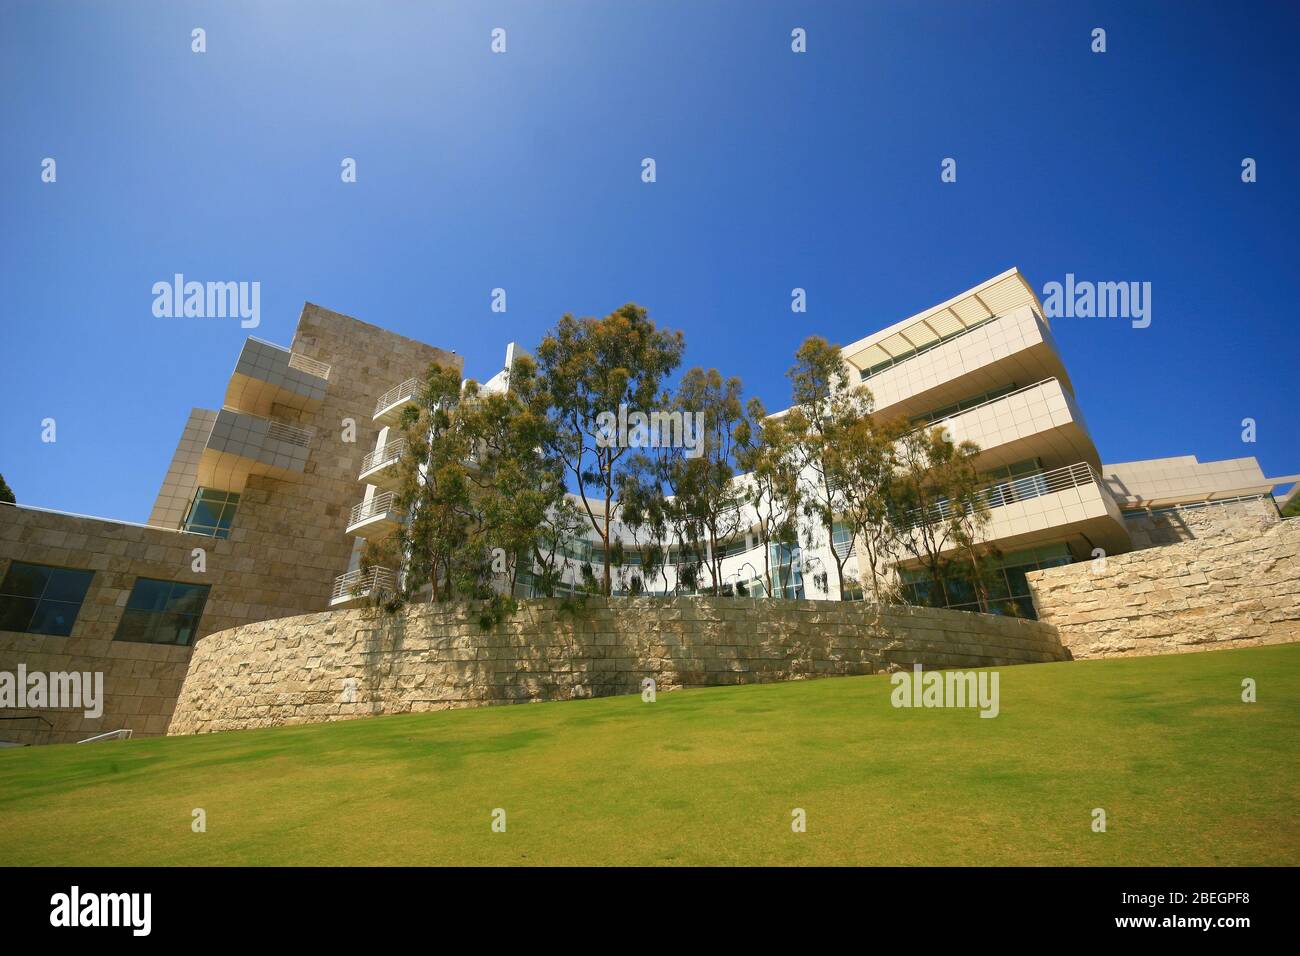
{"points": [[1187, 774]]}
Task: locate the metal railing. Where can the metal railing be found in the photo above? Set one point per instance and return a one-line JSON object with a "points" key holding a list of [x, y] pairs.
{"points": [[1012, 490], [408, 389], [389, 451], [298, 360], [123, 734], [280, 431], [309, 365], [289, 434], [378, 505], [362, 583]]}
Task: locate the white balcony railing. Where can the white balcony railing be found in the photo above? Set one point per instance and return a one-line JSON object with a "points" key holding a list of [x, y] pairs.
{"points": [[375, 507], [309, 365], [289, 434], [388, 452], [1019, 488], [362, 583], [407, 390], [299, 361]]}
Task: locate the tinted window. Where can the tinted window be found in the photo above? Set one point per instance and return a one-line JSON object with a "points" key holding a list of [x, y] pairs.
{"points": [[38, 599], [162, 612]]}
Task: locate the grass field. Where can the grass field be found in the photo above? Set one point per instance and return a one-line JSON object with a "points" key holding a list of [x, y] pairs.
{"points": [[1186, 772]]}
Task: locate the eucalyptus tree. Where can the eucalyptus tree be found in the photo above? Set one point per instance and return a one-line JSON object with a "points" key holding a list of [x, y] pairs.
{"points": [[646, 514], [588, 370], [707, 502], [940, 506], [770, 485], [826, 406]]}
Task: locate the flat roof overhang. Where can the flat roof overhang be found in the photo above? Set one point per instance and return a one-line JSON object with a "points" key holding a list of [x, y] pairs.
{"points": [[1203, 495], [996, 296]]}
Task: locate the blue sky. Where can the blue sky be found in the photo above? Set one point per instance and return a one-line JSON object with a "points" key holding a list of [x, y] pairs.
{"points": [[522, 171]]}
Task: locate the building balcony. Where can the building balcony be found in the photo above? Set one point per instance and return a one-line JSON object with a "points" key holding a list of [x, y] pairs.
{"points": [[268, 375], [393, 402], [1048, 506], [375, 518], [1036, 421], [240, 445], [356, 587], [382, 467], [1015, 346]]}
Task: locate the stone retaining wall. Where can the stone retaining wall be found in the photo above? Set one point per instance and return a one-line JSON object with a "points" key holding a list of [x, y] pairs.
{"points": [[1177, 525], [343, 664], [1238, 587]]}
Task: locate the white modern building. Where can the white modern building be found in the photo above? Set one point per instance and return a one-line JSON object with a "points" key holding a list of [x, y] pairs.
{"points": [[984, 365]]}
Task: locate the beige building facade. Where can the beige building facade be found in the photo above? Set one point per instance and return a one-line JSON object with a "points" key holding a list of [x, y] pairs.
{"points": [[265, 508]]}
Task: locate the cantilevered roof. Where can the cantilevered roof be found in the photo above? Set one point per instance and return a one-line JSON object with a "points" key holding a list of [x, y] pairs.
{"points": [[996, 296]]}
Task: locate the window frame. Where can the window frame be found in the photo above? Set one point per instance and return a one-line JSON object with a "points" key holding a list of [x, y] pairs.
{"points": [[41, 599], [154, 616]]}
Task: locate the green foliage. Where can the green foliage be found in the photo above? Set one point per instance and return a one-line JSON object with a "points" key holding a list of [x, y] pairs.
{"points": [[6, 493], [1292, 509], [587, 369]]}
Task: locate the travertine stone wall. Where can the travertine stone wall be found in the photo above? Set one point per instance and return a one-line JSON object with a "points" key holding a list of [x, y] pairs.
{"points": [[1237, 587], [141, 681], [1185, 524], [344, 664], [285, 548]]}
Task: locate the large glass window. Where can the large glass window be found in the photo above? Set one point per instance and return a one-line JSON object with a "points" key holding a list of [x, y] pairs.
{"points": [[1006, 585], [787, 575], [162, 612], [212, 512], [39, 599]]}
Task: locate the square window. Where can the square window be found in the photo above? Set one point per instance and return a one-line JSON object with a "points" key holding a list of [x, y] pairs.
{"points": [[149, 595], [39, 599], [162, 612]]}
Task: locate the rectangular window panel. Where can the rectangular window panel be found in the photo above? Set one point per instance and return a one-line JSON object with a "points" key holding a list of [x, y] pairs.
{"points": [[39, 599], [212, 512], [162, 612]]}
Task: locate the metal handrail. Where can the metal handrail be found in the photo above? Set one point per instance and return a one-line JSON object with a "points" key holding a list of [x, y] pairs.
{"points": [[377, 505], [309, 365], [408, 389], [298, 360], [124, 734], [280, 431], [289, 434], [389, 451], [362, 582], [1012, 490]]}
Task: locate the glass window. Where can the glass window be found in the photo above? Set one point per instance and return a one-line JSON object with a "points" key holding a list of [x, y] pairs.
{"points": [[212, 512], [842, 539], [960, 591], [162, 612], [38, 599]]}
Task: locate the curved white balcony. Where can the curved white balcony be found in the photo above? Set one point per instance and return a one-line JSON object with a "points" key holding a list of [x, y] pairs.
{"points": [[375, 518], [381, 467], [391, 404], [354, 587]]}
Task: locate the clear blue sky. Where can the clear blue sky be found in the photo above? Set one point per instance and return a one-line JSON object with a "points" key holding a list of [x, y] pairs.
{"points": [[522, 171]]}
